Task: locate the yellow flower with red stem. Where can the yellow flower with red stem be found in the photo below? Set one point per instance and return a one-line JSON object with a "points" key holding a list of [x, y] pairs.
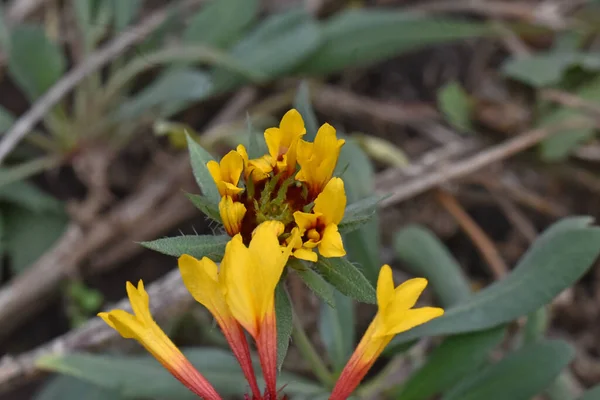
{"points": [[239, 294], [242, 293], [395, 315]]}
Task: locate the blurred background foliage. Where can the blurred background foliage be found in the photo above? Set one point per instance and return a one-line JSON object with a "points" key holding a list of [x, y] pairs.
{"points": [[95, 100]]}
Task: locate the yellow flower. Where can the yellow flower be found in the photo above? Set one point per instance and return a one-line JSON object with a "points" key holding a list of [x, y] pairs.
{"points": [[250, 275], [232, 214], [282, 141], [141, 327], [395, 315], [318, 160], [257, 169], [203, 281], [226, 174], [320, 228]]}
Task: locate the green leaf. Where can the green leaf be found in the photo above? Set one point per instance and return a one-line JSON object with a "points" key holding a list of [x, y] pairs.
{"points": [[6, 119], [314, 281], [29, 234], [346, 278], [519, 376], [361, 37], [303, 105], [220, 22], [35, 62], [560, 145], [30, 197], [125, 12], [197, 246], [363, 245], [176, 85], [592, 394], [275, 47], [284, 314], [456, 105], [4, 32], [256, 141], [69, 388], [199, 158], [337, 329], [144, 377], [558, 258], [208, 208], [547, 69], [427, 257], [359, 213], [466, 353]]}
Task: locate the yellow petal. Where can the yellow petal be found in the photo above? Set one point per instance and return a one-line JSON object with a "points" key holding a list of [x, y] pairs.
{"points": [[232, 165], [215, 171], [260, 168], [238, 270], [305, 221], [385, 288], [267, 253], [126, 324], [410, 319], [274, 137], [293, 125], [232, 214], [241, 150], [306, 254], [326, 142], [331, 243], [201, 280], [140, 302], [407, 294], [332, 202]]}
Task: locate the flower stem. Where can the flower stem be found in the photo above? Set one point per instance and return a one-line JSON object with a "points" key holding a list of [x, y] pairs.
{"points": [[309, 353]]}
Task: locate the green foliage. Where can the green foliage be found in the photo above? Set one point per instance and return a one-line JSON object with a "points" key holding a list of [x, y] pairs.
{"points": [[199, 158], [346, 278], [592, 394], [559, 257], [285, 315], [359, 213], [143, 377], [427, 257], [547, 69], [6, 120], [34, 61], [69, 388], [207, 207], [355, 38], [559, 146], [220, 22], [519, 376], [198, 246], [28, 234], [303, 105], [313, 281], [362, 245], [276, 46], [337, 330], [465, 354], [456, 105], [174, 86]]}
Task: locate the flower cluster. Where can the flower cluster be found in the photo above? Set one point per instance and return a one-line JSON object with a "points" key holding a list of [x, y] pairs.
{"points": [[292, 184], [281, 211]]}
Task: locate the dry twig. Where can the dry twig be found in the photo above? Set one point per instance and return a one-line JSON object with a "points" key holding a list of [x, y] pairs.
{"points": [[479, 238], [462, 168]]}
